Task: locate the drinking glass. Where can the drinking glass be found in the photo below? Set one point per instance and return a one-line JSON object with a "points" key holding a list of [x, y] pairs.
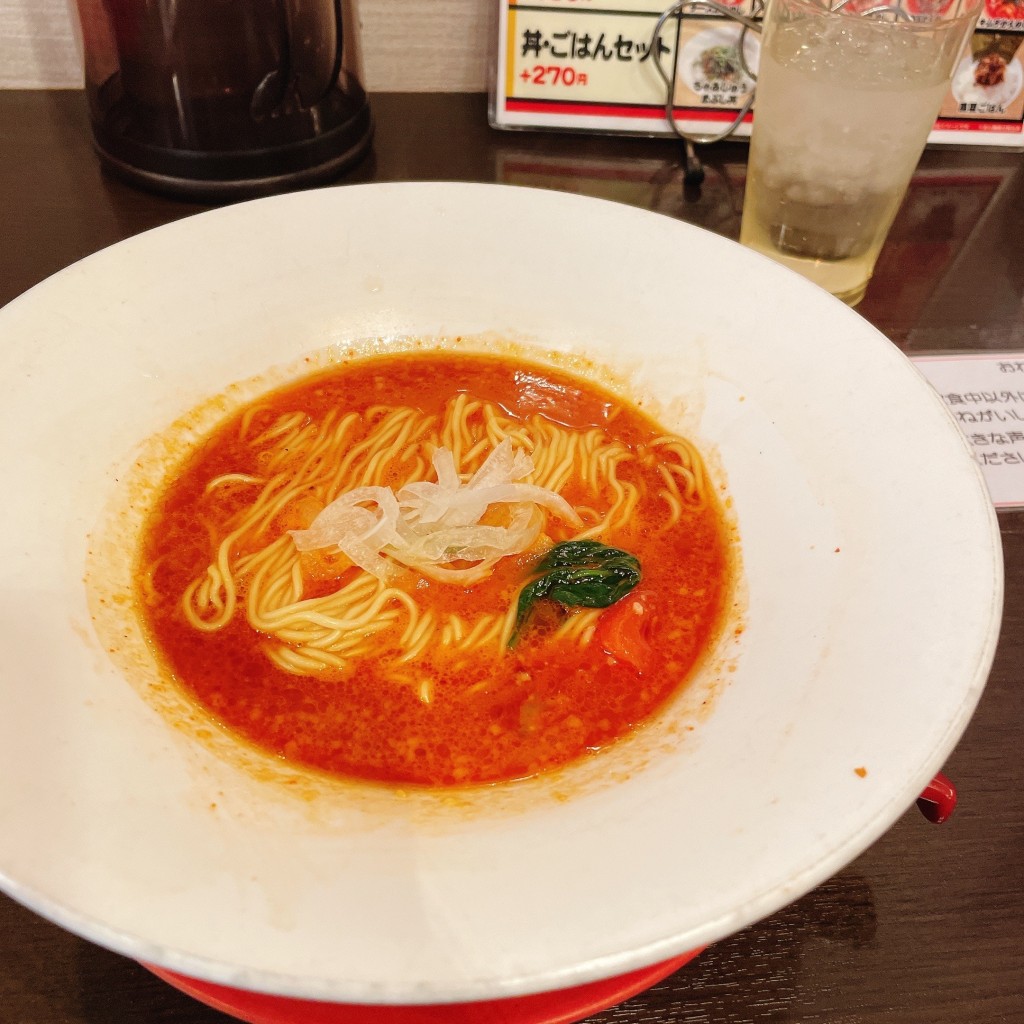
{"points": [[846, 96]]}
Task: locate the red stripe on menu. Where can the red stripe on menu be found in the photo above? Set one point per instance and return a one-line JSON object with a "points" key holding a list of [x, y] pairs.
{"points": [[689, 114], [614, 110], [949, 125]]}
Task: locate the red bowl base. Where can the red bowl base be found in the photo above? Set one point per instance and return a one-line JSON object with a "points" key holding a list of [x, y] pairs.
{"points": [[562, 1006]]}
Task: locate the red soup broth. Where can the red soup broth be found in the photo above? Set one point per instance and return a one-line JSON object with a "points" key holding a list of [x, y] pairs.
{"points": [[492, 715]]}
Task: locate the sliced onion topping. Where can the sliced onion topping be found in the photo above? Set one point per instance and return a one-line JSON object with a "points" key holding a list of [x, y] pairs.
{"points": [[427, 525]]}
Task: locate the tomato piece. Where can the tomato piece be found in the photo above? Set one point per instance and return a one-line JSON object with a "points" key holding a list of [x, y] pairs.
{"points": [[623, 630]]}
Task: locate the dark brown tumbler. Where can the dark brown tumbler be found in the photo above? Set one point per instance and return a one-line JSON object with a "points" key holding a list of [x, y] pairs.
{"points": [[224, 99]]}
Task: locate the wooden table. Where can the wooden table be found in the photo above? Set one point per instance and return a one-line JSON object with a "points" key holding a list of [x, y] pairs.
{"points": [[927, 926]]}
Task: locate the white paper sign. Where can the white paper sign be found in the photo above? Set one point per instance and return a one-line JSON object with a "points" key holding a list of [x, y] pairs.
{"points": [[985, 394]]}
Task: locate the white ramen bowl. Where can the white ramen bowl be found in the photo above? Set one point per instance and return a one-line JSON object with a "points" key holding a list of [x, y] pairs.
{"points": [[870, 603]]}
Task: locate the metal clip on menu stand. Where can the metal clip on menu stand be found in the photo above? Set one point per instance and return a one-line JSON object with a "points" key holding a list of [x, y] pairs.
{"points": [[694, 170]]}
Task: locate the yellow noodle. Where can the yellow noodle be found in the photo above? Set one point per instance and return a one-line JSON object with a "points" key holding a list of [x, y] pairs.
{"points": [[452, 436], [588, 442], [233, 478], [416, 637], [373, 473], [508, 623], [497, 428], [562, 472], [151, 595], [452, 631], [308, 464], [690, 467], [282, 425], [578, 625], [302, 661], [286, 446], [675, 506], [483, 628], [247, 417]]}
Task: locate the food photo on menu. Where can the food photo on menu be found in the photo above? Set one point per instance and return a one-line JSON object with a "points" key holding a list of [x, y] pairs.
{"points": [[711, 70], [1003, 10], [989, 81]]}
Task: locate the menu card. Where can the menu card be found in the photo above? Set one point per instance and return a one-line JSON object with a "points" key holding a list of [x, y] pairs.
{"points": [[985, 394], [591, 65]]}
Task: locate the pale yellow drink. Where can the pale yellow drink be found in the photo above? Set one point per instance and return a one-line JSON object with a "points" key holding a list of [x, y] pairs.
{"points": [[844, 107]]}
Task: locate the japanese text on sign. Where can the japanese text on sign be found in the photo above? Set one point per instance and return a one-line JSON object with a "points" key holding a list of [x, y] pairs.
{"points": [[569, 45], [985, 396]]}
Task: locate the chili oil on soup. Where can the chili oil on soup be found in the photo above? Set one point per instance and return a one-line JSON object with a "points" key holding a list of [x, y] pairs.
{"points": [[407, 663]]}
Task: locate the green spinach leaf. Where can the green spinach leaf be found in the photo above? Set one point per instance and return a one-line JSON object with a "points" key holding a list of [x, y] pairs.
{"points": [[578, 574]]}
